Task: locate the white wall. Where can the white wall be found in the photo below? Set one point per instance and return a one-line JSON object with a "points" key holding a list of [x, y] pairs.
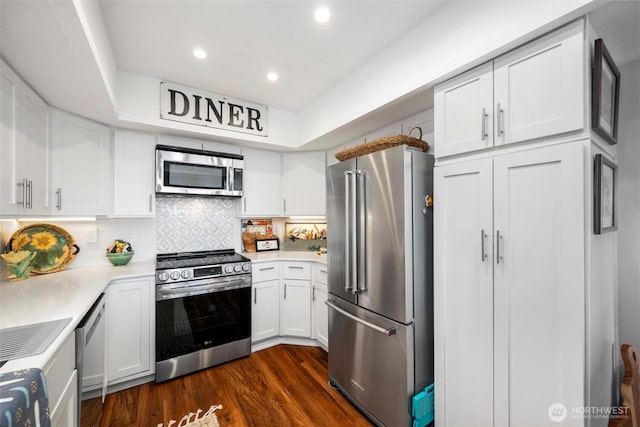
{"points": [[629, 205]]}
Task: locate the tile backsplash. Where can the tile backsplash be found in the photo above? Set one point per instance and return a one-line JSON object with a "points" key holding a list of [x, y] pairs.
{"points": [[196, 224]]}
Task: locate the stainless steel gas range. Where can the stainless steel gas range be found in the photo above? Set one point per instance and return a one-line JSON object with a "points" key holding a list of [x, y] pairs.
{"points": [[203, 311]]}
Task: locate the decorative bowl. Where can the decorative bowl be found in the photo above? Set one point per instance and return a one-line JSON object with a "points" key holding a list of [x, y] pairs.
{"points": [[121, 258]]}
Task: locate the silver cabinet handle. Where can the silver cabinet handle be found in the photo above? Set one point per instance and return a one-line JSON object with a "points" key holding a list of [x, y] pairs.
{"points": [[314, 294], [322, 270], [296, 267], [30, 194], [244, 201], [23, 184], [59, 194], [499, 256], [150, 202], [483, 254], [284, 204], [266, 268], [255, 295], [499, 119], [285, 291], [388, 332], [484, 124]]}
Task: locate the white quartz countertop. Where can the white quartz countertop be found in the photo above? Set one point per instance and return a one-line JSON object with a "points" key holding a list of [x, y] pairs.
{"points": [[258, 257], [66, 294]]}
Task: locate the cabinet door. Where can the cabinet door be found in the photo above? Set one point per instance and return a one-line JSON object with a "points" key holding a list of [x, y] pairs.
{"points": [[539, 219], [320, 314], [10, 194], [262, 182], [303, 183], [265, 313], [296, 308], [463, 112], [65, 414], [133, 174], [130, 332], [463, 294], [539, 88], [81, 166]]}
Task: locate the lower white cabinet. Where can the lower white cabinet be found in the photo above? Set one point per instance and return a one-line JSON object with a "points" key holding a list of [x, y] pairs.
{"points": [[265, 314], [296, 308], [319, 309], [130, 329], [62, 385]]}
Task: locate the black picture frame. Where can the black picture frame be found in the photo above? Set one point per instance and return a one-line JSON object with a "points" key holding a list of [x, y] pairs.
{"points": [[605, 176], [605, 93], [271, 244]]}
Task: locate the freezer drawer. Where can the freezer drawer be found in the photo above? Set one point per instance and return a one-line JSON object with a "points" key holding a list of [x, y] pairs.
{"points": [[371, 361]]}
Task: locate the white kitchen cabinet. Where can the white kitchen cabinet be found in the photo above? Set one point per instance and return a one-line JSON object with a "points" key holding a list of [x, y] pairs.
{"points": [[319, 310], [296, 308], [265, 310], [509, 287], [303, 183], [130, 329], [24, 148], [535, 91], [262, 182], [81, 166], [62, 385], [134, 169]]}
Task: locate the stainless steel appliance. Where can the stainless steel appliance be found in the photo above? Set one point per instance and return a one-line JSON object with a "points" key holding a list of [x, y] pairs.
{"points": [[198, 172], [203, 310], [90, 351], [380, 281]]}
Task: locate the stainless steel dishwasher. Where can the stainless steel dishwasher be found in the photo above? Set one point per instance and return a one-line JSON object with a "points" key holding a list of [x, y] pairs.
{"points": [[90, 350]]}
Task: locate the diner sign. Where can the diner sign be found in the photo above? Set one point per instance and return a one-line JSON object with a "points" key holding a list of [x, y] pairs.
{"points": [[187, 105]]}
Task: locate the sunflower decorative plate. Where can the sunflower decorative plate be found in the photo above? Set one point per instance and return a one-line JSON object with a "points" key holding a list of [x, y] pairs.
{"points": [[49, 248]]}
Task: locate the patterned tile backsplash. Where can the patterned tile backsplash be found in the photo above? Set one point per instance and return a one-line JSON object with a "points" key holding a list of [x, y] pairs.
{"points": [[194, 223]]}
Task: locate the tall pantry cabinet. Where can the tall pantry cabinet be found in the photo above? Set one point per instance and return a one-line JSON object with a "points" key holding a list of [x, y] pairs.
{"points": [[518, 328]]}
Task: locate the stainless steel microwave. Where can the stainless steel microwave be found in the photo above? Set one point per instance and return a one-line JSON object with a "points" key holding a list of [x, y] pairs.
{"points": [[198, 172]]}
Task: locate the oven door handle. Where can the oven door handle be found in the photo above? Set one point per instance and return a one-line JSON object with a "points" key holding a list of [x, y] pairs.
{"points": [[171, 292]]}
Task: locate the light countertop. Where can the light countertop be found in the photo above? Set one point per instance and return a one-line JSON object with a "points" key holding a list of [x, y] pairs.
{"points": [[258, 257], [65, 294]]}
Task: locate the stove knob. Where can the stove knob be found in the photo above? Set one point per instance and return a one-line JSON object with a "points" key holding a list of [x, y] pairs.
{"points": [[228, 268], [237, 268], [186, 274], [163, 276], [246, 266], [175, 275]]}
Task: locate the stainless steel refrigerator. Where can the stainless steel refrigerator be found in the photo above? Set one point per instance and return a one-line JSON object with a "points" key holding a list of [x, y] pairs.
{"points": [[380, 265]]}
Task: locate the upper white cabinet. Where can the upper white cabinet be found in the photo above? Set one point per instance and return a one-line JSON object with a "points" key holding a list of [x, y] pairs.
{"points": [[81, 165], [303, 183], [535, 91], [262, 182], [133, 174], [24, 147]]}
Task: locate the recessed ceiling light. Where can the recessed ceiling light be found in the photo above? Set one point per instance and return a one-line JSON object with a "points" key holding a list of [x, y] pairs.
{"points": [[322, 14], [199, 53], [272, 77]]}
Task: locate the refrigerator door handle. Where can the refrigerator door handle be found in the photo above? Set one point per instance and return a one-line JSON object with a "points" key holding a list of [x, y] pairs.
{"points": [[361, 233], [388, 332], [348, 196]]}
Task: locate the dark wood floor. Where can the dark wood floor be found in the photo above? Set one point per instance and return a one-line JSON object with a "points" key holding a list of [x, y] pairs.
{"points": [[284, 385]]}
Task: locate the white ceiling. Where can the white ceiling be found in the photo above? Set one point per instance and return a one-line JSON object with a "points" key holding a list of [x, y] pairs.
{"points": [[246, 39]]}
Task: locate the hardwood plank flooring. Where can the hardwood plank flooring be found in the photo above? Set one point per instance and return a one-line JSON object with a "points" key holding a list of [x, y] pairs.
{"points": [[285, 385]]}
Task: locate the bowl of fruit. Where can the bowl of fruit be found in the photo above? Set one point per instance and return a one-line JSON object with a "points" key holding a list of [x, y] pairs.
{"points": [[119, 252]]}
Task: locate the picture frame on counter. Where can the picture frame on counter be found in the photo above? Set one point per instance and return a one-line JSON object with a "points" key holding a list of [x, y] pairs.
{"points": [[604, 195], [605, 93], [263, 245]]}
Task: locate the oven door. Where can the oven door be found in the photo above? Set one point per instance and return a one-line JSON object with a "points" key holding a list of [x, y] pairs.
{"points": [[196, 315]]}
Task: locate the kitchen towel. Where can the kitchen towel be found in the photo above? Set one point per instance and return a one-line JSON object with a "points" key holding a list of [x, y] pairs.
{"points": [[23, 399]]}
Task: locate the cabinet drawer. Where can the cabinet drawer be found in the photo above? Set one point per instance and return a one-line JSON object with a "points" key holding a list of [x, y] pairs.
{"points": [[265, 271], [296, 270], [320, 273]]}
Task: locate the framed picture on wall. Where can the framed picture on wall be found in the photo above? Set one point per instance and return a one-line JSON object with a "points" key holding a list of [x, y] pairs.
{"points": [[604, 195], [606, 94]]}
